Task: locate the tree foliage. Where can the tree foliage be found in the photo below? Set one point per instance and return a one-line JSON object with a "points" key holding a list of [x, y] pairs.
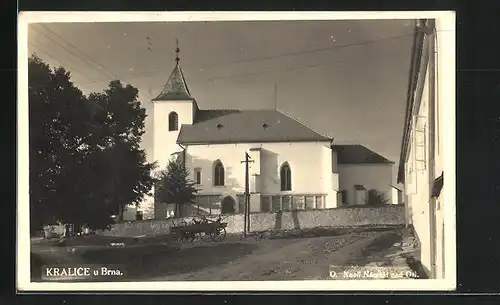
{"points": [[376, 198], [173, 186], [85, 158]]}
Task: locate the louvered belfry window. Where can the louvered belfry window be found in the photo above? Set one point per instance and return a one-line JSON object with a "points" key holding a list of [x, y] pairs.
{"points": [[173, 121]]}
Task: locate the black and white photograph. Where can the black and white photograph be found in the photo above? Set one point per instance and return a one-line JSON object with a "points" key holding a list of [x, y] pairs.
{"points": [[241, 151]]}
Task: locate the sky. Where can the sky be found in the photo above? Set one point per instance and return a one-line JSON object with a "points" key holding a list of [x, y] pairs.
{"points": [[345, 79]]}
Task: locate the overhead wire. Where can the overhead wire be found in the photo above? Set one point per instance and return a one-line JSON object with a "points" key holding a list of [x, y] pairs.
{"points": [[89, 58], [88, 62], [147, 74], [58, 62], [134, 76]]}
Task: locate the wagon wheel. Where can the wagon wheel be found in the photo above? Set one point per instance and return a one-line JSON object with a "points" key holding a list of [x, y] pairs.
{"points": [[185, 236], [206, 236], [193, 236], [182, 237], [218, 234]]}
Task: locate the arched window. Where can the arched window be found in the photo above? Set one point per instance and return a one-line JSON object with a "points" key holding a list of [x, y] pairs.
{"points": [[173, 121], [218, 173], [286, 177]]}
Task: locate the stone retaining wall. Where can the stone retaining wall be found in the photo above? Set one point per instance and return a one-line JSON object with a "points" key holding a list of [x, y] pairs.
{"points": [[340, 217]]}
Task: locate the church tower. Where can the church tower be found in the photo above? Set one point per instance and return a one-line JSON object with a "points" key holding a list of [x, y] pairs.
{"points": [[172, 108]]}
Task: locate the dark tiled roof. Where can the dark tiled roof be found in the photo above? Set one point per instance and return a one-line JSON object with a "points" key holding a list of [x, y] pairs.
{"points": [[176, 88], [357, 154], [418, 58], [245, 126], [204, 115]]}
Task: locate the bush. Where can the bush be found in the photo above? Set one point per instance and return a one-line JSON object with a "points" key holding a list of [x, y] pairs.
{"points": [[376, 198]]}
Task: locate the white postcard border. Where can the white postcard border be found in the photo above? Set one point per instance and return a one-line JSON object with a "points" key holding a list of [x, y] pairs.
{"points": [[446, 19]]}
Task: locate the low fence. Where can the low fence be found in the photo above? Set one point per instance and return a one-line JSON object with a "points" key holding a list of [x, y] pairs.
{"points": [[340, 217]]}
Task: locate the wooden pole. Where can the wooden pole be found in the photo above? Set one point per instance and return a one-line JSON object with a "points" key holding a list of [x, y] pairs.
{"points": [[246, 219], [245, 216]]}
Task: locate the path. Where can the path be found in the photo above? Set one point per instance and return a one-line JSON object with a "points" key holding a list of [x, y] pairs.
{"points": [[293, 259], [237, 259]]}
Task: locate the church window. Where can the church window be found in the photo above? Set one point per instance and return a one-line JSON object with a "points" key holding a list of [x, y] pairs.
{"points": [[197, 176], [218, 173], [173, 121], [286, 177]]}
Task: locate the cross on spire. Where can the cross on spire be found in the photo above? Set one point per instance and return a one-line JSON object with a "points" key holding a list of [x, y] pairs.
{"points": [[177, 50], [176, 87]]}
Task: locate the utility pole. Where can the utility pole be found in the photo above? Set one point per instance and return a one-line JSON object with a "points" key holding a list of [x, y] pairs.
{"points": [[246, 222]]}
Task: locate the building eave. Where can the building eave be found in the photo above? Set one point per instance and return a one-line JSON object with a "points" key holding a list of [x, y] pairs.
{"points": [[369, 163], [414, 77], [256, 141]]}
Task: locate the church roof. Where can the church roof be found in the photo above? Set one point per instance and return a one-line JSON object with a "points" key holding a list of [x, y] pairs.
{"points": [[358, 154], [176, 88], [245, 126]]}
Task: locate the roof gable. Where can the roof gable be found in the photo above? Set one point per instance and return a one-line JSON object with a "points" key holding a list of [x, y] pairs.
{"points": [[245, 126], [358, 154]]}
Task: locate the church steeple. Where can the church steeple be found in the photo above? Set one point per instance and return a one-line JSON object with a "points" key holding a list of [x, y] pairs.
{"points": [[176, 87]]}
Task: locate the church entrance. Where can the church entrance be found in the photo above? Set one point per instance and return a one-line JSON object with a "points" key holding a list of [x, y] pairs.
{"points": [[228, 205]]}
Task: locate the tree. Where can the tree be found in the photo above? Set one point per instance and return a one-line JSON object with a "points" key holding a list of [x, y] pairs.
{"points": [[85, 158], [173, 186], [121, 119], [58, 116], [376, 198]]}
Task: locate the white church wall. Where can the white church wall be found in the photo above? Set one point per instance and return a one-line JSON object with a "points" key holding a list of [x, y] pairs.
{"points": [[307, 162], [129, 213], [164, 140], [371, 176], [164, 144], [329, 178]]}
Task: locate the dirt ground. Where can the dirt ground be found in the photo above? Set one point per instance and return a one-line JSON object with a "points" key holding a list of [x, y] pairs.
{"points": [[282, 257], [287, 259]]}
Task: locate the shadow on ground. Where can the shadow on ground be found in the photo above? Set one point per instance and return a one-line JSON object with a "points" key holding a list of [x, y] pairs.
{"points": [[96, 240], [377, 250], [321, 232], [156, 261]]}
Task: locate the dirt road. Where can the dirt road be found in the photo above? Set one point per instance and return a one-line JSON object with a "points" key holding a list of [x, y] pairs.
{"points": [[278, 259], [250, 258]]}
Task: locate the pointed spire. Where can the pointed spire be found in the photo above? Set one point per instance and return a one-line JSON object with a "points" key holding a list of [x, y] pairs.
{"points": [[176, 87]]}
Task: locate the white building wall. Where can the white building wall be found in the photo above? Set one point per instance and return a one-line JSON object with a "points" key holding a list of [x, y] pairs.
{"points": [[441, 95], [396, 196], [330, 178], [310, 164], [129, 213], [164, 144], [419, 179], [371, 176], [417, 182]]}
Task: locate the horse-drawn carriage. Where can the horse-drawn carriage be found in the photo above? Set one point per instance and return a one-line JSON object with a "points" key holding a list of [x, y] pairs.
{"points": [[201, 228]]}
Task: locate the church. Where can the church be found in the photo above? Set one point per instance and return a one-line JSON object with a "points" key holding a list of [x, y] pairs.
{"points": [[291, 166]]}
